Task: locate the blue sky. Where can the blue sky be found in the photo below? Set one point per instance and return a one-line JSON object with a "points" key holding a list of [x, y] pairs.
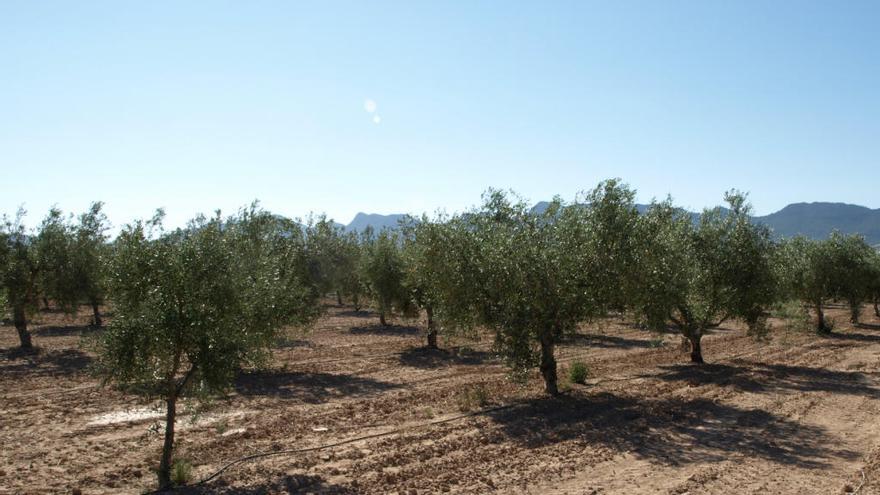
{"points": [[194, 106]]}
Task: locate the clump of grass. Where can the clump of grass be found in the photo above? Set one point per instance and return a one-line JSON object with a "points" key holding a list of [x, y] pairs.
{"points": [[760, 329], [472, 398], [221, 426], [794, 316], [656, 342], [181, 472], [578, 372]]}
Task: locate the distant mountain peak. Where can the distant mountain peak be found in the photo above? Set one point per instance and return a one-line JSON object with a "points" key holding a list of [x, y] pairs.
{"points": [[375, 220]]}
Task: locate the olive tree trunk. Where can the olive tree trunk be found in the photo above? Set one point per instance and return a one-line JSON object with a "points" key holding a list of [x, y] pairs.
{"points": [[821, 327], [382, 318], [96, 312], [164, 471], [548, 365], [854, 311], [432, 329], [19, 318], [877, 309], [695, 339], [338, 299]]}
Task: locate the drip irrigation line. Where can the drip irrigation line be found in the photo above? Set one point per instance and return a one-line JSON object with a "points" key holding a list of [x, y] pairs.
{"points": [[259, 455]]}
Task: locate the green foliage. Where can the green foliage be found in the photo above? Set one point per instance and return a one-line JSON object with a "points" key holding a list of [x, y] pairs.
{"points": [[208, 299], [610, 220], [19, 273], [852, 259], [351, 283], [534, 277], [472, 397], [838, 267], [384, 272], [334, 259], [72, 259], [53, 247], [698, 276], [181, 472], [430, 272], [578, 372], [794, 315], [195, 305]]}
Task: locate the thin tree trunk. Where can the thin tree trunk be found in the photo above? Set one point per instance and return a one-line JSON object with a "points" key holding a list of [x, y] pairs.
{"points": [[382, 319], [45, 303], [696, 338], [548, 365], [432, 330], [877, 309], [820, 324], [164, 471], [97, 314], [357, 302], [20, 320], [338, 299], [854, 310]]}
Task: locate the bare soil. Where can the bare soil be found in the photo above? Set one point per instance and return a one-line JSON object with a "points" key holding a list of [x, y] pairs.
{"points": [[797, 415]]}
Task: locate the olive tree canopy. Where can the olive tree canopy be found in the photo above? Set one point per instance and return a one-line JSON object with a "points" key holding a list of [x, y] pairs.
{"points": [[195, 305], [698, 275]]}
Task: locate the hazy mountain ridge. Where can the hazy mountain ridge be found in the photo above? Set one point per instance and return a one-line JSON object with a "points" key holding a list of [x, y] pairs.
{"points": [[378, 222], [814, 220]]}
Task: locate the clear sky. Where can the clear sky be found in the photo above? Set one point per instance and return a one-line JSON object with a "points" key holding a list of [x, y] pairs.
{"points": [[411, 106]]}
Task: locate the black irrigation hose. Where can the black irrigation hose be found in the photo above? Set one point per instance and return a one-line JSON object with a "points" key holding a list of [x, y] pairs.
{"points": [[348, 441]]}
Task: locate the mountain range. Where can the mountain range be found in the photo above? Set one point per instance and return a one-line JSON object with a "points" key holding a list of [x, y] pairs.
{"points": [[813, 220]]}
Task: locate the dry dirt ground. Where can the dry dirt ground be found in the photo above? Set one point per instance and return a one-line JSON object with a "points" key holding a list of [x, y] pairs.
{"points": [[798, 415]]}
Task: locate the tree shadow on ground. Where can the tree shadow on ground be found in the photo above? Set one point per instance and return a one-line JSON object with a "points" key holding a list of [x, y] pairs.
{"points": [[605, 341], [427, 358], [291, 483], [761, 377], [65, 330], [363, 313], [388, 330], [41, 362], [285, 343], [311, 388], [668, 431], [853, 336], [868, 326]]}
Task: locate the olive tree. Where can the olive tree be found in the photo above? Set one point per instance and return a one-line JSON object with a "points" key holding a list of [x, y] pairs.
{"points": [[324, 246], [534, 277], [427, 266], [837, 267], [53, 250], [383, 271], [851, 258], [874, 283], [19, 274], [195, 305], [807, 274], [71, 258], [698, 275], [350, 259], [90, 257]]}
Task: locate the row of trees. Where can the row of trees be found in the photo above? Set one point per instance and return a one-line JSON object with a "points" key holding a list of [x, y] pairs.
{"points": [[61, 262], [532, 277], [192, 306]]}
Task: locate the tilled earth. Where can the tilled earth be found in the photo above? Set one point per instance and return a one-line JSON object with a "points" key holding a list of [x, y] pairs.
{"points": [[798, 414]]}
